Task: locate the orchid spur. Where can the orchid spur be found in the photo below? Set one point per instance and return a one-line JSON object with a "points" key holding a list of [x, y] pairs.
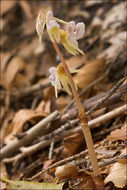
{"points": [[68, 37]]}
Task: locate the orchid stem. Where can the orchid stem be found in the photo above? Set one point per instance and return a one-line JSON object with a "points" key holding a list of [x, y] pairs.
{"points": [[82, 116]]}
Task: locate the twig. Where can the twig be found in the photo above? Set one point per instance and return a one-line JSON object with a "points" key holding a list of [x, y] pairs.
{"points": [[100, 102], [112, 160], [85, 89], [91, 102], [29, 90], [31, 134], [51, 150], [59, 134], [76, 157], [59, 163]]}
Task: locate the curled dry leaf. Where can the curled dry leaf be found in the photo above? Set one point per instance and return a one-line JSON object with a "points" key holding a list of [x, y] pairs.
{"points": [[16, 65], [118, 172], [21, 117], [118, 134], [118, 175], [89, 73], [72, 143], [65, 172], [44, 107]]}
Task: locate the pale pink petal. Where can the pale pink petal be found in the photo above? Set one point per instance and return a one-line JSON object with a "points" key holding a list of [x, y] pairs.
{"points": [[70, 29], [80, 30], [49, 15]]}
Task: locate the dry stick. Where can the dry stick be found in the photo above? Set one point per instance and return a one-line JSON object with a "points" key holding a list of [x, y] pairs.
{"points": [[59, 134], [76, 157], [82, 116], [29, 90], [115, 87], [107, 96], [85, 89], [29, 136]]}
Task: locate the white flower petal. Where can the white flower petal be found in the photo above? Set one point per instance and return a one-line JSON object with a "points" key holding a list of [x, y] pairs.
{"points": [[52, 70]]}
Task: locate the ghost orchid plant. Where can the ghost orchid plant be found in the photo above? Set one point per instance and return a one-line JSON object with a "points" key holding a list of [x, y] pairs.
{"points": [[62, 74]]}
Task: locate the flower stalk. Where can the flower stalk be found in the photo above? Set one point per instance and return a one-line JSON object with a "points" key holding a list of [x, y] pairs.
{"points": [[82, 115], [62, 75]]}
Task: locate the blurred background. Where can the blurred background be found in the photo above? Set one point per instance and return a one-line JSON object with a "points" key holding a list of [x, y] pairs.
{"points": [[26, 95]]}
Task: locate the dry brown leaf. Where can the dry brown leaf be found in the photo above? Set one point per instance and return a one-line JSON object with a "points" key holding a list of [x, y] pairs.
{"points": [[26, 7], [6, 122], [118, 134], [76, 61], [118, 175], [65, 172], [47, 163], [21, 117], [15, 65], [73, 143], [6, 6], [89, 73], [62, 102], [44, 107], [123, 160]]}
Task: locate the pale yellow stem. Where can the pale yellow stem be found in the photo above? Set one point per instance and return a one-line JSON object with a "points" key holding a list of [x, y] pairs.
{"points": [[82, 116]]}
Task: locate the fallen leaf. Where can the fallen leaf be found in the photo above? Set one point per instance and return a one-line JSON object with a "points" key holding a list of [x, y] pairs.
{"points": [[118, 175], [66, 171], [21, 117], [88, 74], [76, 61], [27, 9], [73, 143], [123, 160], [15, 65], [44, 107], [20, 185], [7, 6], [118, 134]]}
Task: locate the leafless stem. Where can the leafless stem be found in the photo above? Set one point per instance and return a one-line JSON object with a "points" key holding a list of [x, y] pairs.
{"points": [[82, 116]]}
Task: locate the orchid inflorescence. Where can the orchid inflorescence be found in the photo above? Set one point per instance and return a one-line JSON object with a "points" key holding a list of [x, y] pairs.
{"points": [[68, 38], [61, 76]]}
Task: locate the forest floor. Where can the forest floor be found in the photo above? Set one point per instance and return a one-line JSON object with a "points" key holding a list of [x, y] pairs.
{"points": [[41, 139]]}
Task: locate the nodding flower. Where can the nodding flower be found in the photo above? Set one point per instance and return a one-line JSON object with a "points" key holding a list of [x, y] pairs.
{"points": [[68, 38], [58, 78], [52, 26]]}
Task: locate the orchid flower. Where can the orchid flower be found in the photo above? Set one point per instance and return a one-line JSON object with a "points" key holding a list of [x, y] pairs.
{"points": [[74, 32], [52, 26], [68, 38], [58, 77]]}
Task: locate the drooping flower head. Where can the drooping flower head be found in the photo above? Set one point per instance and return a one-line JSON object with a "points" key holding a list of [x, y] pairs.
{"points": [[66, 37], [58, 78]]}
